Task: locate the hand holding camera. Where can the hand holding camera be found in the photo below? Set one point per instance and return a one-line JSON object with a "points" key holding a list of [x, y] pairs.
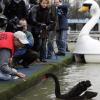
{"points": [[43, 26], [62, 9]]}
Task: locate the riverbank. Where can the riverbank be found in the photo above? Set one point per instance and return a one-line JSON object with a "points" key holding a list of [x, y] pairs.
{"points": [[8, 89]]}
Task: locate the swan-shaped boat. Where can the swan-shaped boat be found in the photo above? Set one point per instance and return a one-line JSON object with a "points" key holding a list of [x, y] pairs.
{"points": [[86, 45]]}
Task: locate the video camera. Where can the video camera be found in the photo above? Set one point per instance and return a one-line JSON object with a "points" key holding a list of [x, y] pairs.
{"points": [[14, 24]]}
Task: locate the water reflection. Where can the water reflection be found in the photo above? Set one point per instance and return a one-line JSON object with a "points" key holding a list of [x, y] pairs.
{"points": [[68, 77]]}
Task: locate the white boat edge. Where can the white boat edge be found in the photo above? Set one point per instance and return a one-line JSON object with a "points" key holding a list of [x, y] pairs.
{"points": [[87, 58], [92, 58]]}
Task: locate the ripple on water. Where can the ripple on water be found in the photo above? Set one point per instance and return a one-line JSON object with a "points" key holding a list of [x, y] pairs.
{"points": [[68, 77]]}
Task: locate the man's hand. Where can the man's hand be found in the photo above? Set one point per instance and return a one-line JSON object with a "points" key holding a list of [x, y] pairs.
{"points": [[21, 75], [10, 60]]}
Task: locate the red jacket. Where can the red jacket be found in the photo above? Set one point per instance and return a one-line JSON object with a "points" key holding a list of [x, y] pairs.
{"points": [[7, 41]]}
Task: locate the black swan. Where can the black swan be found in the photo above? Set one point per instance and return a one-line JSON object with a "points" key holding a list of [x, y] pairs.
{"points": [[75, 92]]}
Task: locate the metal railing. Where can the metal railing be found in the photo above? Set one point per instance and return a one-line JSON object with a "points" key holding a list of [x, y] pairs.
{"points": [[73, 35]]}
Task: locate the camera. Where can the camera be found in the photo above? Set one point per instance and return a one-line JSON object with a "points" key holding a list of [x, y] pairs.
{"points": [[18, 28], [14, 24], [14, 21], [62, 9]]}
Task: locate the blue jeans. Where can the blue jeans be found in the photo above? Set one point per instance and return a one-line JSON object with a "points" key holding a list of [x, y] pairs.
{"points": [[50, 44], [61, 40], [4, 56], [5, 70]]}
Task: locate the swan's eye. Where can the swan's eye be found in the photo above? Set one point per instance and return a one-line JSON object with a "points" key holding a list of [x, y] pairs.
{"points": [[87, 5]]}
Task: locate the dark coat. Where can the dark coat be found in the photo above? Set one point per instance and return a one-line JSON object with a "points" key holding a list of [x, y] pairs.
{"points": [[62, 17], [15, 9], [39, 19], [59, 16]]}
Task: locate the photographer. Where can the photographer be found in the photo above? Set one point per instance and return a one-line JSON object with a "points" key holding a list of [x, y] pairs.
{"points": [[16, 8], [61, 28], [25, 55], [59, 16], [39, 20]]}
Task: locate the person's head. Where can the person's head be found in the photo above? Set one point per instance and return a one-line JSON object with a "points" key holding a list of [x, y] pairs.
{"points": [[57, 2], [44, 3], [23, 24], [20, 39]]}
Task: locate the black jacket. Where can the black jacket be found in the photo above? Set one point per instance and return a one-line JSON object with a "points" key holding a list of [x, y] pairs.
{"points": [[39, 18], [15, 9]]}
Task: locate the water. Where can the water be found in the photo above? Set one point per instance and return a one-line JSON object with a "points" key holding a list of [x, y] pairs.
{"points": [[68, 77]]}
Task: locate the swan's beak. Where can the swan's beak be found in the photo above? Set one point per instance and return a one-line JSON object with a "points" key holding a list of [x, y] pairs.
{"points": [[84, 9]]}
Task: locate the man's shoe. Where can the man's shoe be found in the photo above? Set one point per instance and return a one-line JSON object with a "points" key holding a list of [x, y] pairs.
{"points": [[67, 50], [49, 57], [60, 54], [43, 60], [25, 65]]}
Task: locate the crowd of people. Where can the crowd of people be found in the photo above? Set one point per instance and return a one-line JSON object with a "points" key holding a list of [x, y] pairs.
{"points": [[28, 32]]}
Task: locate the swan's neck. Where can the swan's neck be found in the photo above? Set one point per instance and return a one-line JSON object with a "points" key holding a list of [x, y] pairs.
{"points": [[90, 24], [57, 87]]}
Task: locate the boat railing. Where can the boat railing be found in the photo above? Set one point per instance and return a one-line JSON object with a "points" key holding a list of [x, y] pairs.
{"points": [[73, 35]]}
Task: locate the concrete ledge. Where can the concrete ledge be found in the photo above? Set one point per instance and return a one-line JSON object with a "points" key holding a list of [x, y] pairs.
{"points": [[9, 89]]}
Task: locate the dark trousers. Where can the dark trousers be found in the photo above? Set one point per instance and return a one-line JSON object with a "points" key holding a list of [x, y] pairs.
{"points": [[37, 43], [26, 59], [40, 46], [43, 48]]}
